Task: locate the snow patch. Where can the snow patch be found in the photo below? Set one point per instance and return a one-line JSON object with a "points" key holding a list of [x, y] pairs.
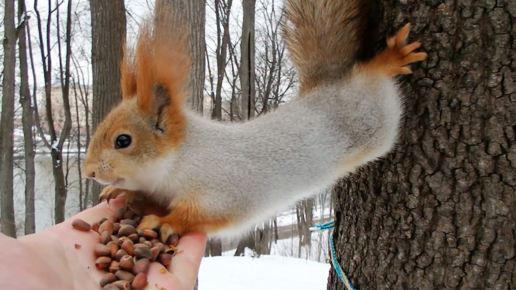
{"points": [[266, 272]]}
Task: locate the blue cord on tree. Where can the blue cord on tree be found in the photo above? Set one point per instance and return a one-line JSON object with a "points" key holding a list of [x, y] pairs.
{"points": [[338, 269]]}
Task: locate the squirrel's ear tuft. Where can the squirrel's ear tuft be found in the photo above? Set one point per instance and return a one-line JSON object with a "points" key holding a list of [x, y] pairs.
{"points": [[128, 75], [162, 60]]}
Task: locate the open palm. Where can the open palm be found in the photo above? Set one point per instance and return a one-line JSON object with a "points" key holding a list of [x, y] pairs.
{"points": [[62, 258]]}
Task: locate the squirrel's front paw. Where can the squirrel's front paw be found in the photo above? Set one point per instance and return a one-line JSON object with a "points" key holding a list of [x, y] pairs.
{"points": [[398, 55], [109, 192], [167, 234]]}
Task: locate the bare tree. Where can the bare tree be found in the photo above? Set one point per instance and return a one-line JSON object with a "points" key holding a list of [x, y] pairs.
{"points": [[7, 122], [82, 96], [271, 56], [304, 213], [263, 238], [275, 75], [247, 241], [58, 135], [247, 62], [222, 14], [213, 248], [27, 122], [232, 78], [108, 29], [229, 76]]}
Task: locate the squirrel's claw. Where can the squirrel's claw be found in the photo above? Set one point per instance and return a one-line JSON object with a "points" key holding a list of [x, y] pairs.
{"points": [[165, 232], [153, 222], [150, 222], [109, 192]]}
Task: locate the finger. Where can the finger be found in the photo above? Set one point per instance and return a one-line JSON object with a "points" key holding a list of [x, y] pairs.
{"points": [[159, 277], [102, 210], [19, 258], [185, 265], [78, 245], [91, 216]]}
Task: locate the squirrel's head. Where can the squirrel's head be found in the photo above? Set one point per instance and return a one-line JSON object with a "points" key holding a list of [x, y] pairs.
{"points": [[148, 127]]}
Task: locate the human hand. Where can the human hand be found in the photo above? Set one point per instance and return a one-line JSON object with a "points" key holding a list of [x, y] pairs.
{"points": [[50, 260]]}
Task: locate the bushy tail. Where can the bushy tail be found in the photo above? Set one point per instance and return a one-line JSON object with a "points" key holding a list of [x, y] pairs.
{"points": [[324, 38]]}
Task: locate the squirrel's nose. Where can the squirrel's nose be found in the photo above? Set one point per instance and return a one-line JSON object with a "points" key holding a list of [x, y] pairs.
{"points": [[89, 171]]}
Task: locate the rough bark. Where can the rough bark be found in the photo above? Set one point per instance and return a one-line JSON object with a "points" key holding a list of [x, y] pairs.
{"points": [[108, 30], [193, 14], [27, 123], [439, 212], [7, 122], [247, 64]]}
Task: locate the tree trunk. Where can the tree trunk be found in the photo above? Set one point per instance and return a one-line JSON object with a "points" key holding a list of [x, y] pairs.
{"points": [[213, 248], [193, 13], [439, 212], [61, 182], [108, 30], [304, 212], [28, 123], [247, 69], [222, 18], [247, 241], [7, 122], [263, 239]]}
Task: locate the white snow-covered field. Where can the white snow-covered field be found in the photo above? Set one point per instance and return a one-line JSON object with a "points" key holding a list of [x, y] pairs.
{"points": [[265, 272]]}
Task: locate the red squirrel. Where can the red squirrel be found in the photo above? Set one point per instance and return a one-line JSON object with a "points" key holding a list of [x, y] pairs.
{"points": [[223, 178]]}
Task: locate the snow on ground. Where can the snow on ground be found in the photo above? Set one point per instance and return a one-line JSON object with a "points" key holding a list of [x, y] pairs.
{"points": [[265, 272], [319, 250], [289, 217]]}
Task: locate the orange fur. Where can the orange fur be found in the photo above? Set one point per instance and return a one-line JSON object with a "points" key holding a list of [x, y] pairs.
{"points": [[128, 80], [324, 38], [145, 79], [161, 58], [396, 57], [189, 215]]}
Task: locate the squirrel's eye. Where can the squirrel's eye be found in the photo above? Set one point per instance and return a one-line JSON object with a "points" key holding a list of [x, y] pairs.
{"points": [[122, 141]]}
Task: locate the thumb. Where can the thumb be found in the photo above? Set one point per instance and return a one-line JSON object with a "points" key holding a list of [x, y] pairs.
{"points": [[102, 210]]}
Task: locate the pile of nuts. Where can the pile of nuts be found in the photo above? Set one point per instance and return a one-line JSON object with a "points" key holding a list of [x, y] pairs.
{"points": [[124, 252]]}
